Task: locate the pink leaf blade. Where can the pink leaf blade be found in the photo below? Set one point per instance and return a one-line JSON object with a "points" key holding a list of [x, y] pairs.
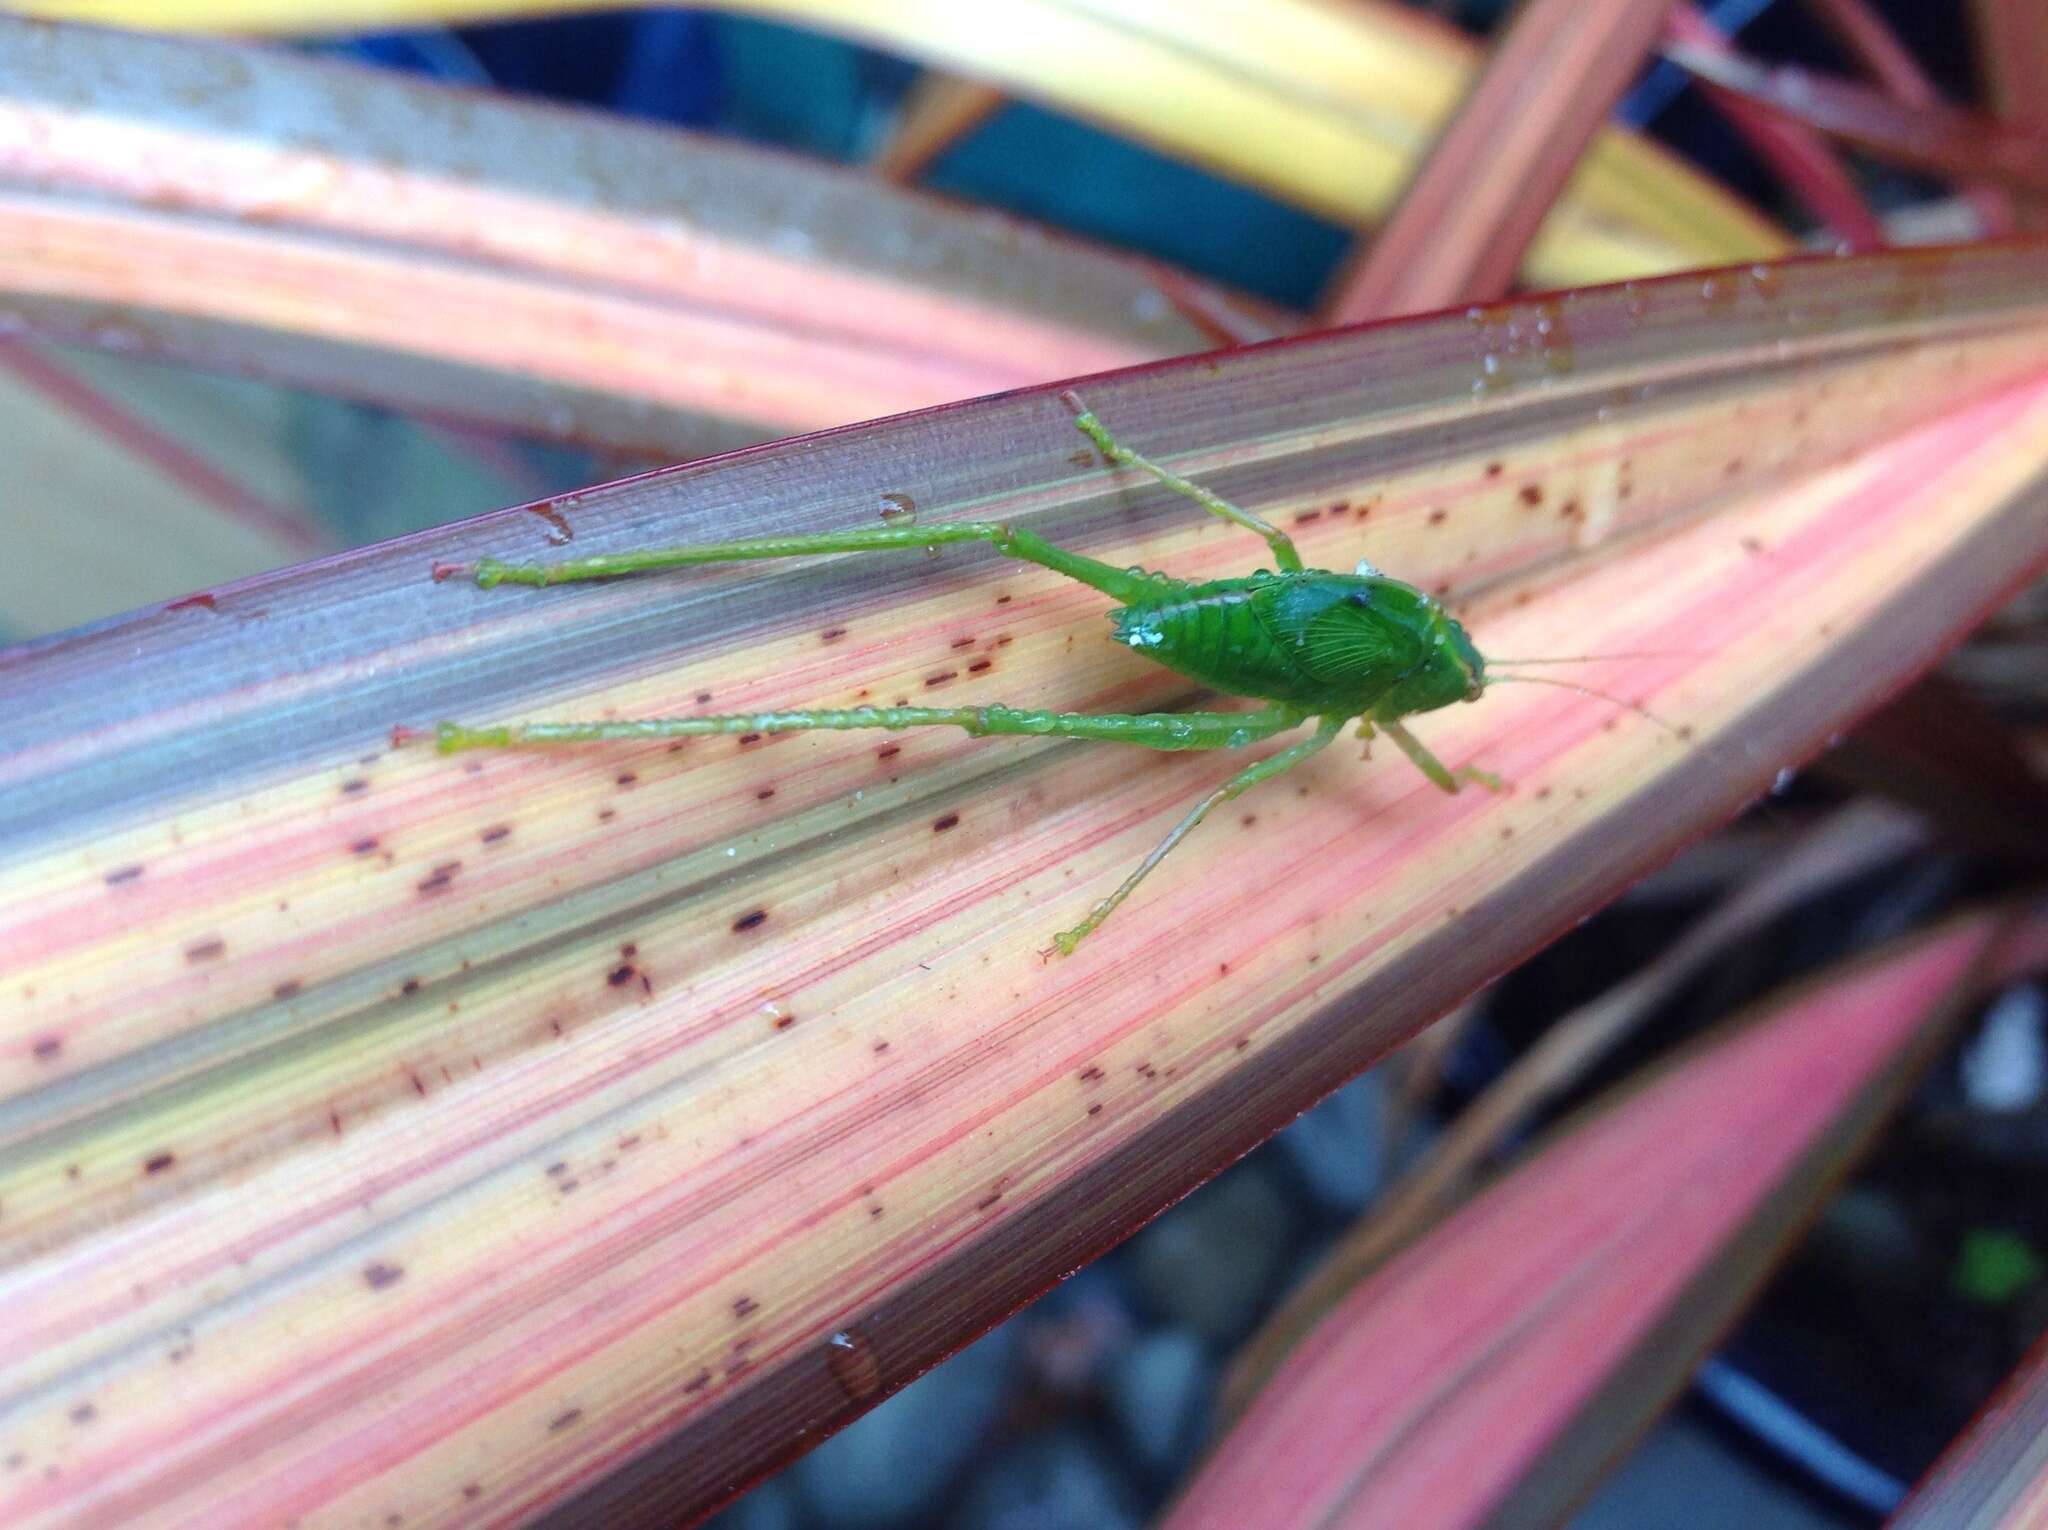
{"points": [[1468, 1371]]}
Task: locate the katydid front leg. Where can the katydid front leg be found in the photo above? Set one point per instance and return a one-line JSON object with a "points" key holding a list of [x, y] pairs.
{"points": [[1437, 771]]}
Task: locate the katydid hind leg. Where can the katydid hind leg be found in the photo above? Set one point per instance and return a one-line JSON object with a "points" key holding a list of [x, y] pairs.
{"points": [[1148, 730]]}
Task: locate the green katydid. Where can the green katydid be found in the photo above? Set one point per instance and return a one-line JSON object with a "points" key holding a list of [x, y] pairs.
{"points": [[1333, 647]]}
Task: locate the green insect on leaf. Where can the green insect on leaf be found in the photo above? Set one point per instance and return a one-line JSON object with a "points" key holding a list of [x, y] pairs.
{"points": [[1314, 645]]}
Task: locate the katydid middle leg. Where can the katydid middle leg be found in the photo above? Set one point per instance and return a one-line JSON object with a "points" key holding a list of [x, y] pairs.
{"points": [[1065, 942]]}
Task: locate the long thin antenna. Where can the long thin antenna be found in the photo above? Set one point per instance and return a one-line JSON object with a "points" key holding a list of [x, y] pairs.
{"points": [[1677, 732], [1588, 658]]}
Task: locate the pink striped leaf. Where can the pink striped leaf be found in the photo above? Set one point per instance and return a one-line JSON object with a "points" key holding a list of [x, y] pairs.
{"points": [[1503, 1361], [1928, 135], [1321, 105], [553, 272], [1465, 221], [391, 1133]]}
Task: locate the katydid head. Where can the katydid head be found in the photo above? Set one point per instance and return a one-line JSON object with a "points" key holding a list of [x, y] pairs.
{"points": [[1459, 646], [1451, 670], [1385, 641]]}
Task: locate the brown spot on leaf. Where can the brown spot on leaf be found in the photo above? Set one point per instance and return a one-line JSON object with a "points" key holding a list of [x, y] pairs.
{"points": [[122, 874], [287, 989], [564, 1419], [1530, 494], [47, 1048], [157, 1163], [941, 677], [439, 879], [752, 920], [832, 634], [353, 785], [496, 832], [377, 1274], [364, 846], [206, 950], [944, 822], [745, 1306]]}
